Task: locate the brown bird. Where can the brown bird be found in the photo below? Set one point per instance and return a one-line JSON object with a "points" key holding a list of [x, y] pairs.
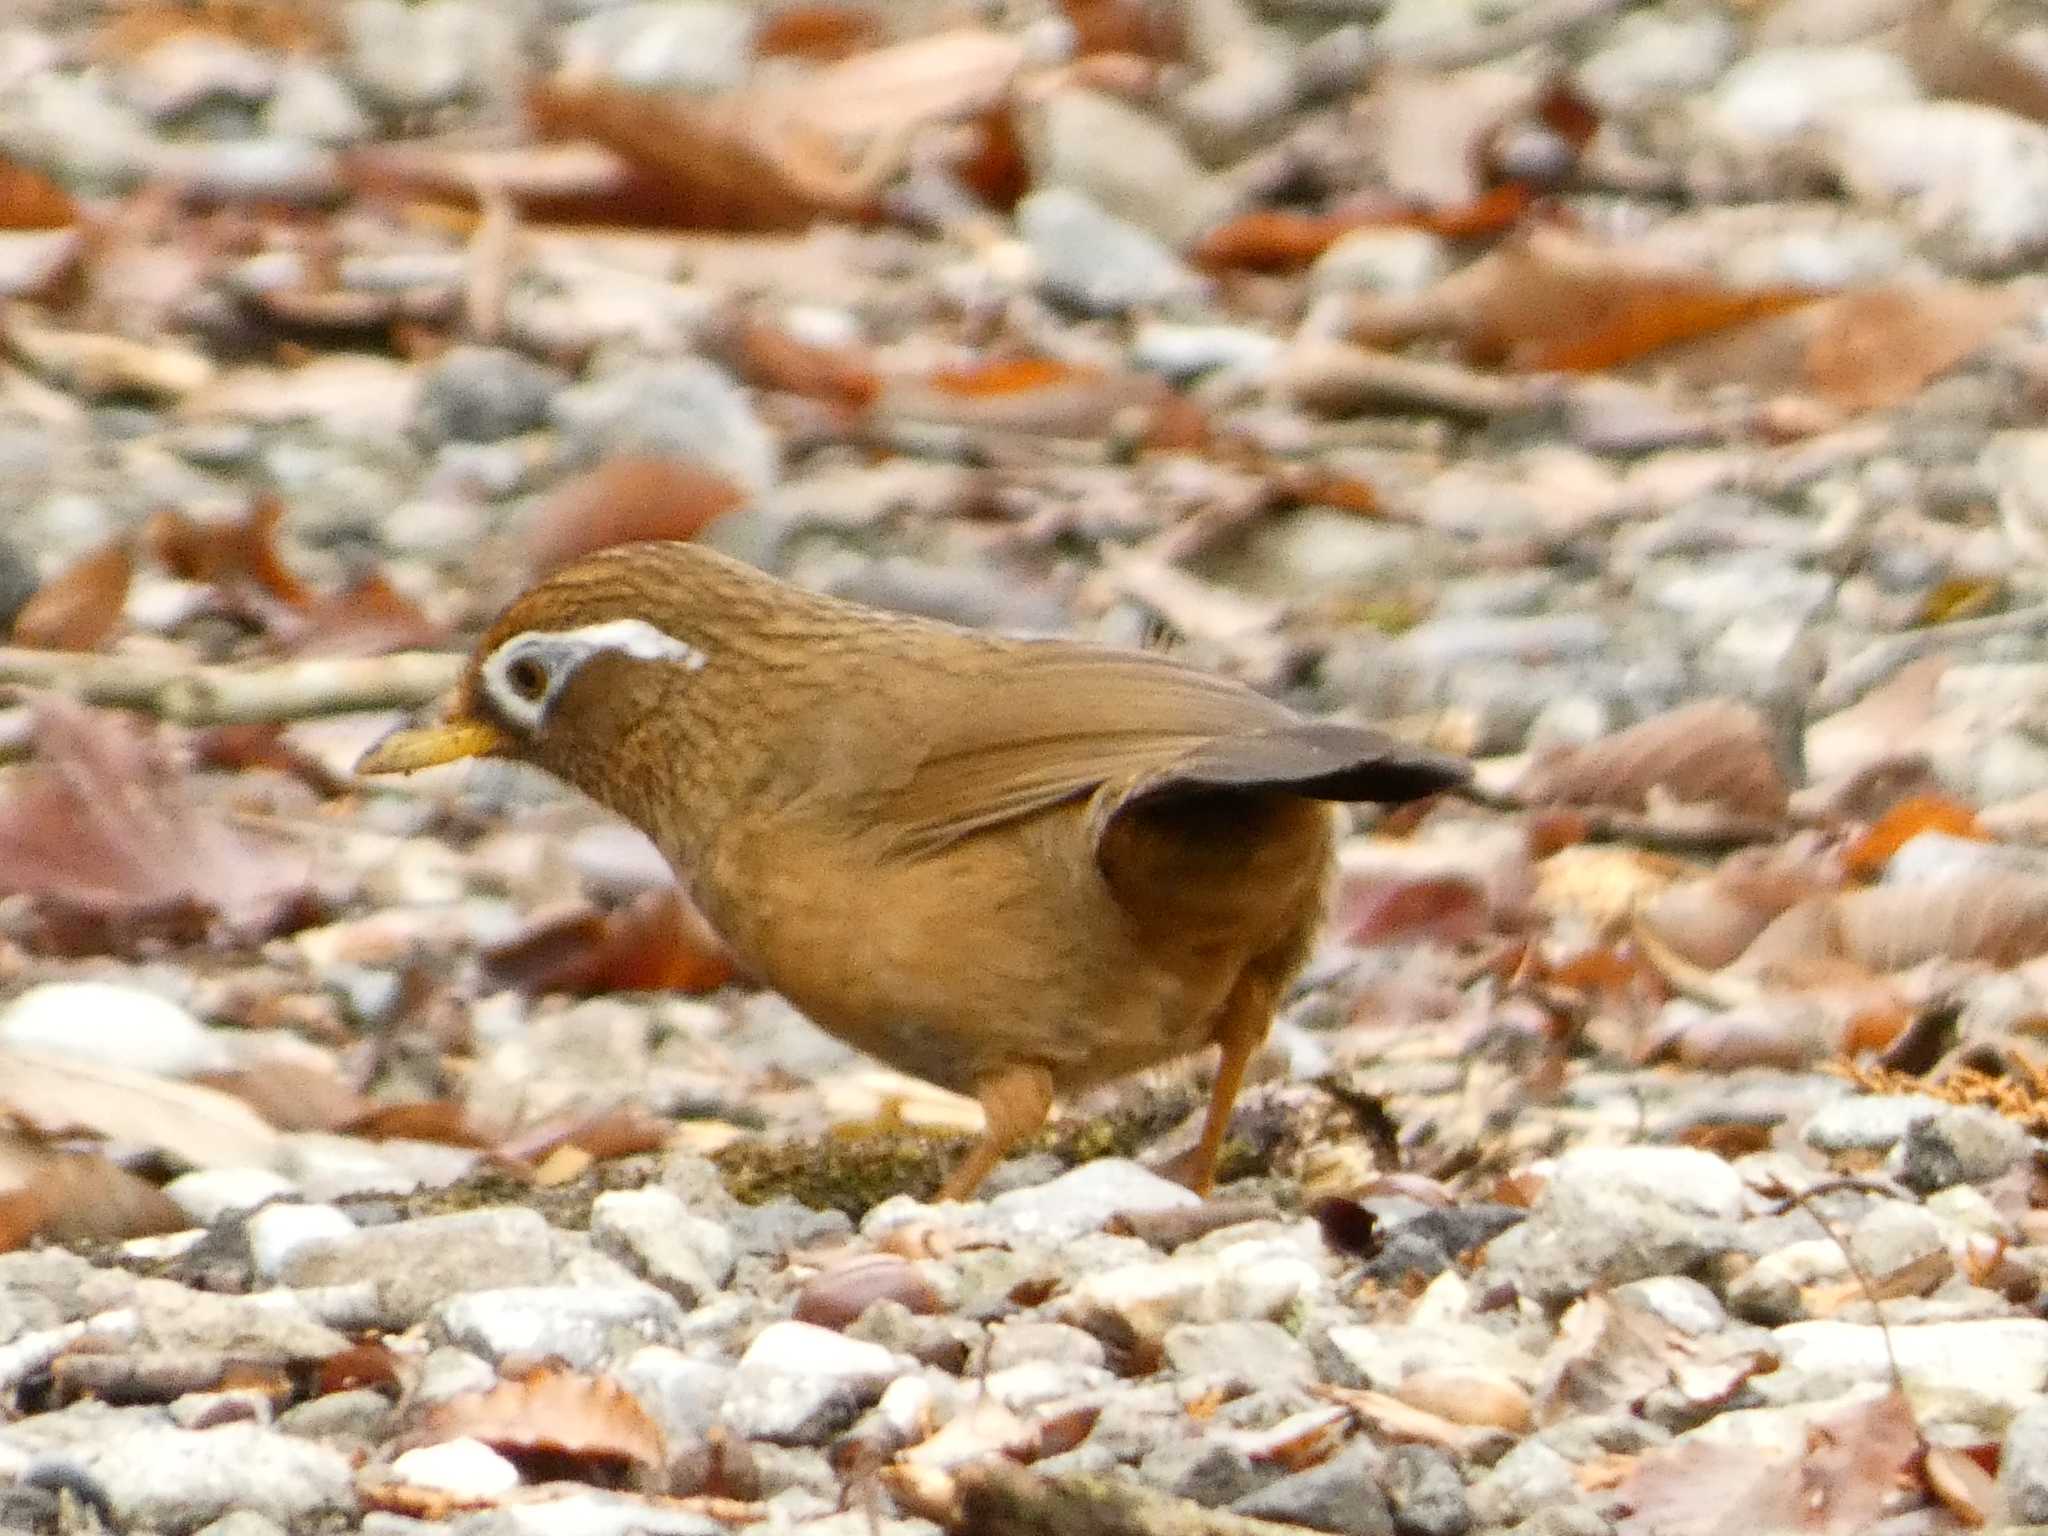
{"points": [[1014, 868]]}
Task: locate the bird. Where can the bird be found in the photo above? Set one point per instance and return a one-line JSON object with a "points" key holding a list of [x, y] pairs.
{"points": [[1017, 868]]}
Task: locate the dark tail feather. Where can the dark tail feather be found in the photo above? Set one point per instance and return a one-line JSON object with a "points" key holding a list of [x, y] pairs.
{"points": [[1318, 760]]}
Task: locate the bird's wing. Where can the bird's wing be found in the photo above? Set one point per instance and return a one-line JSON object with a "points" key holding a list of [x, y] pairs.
{"points": [[1080, 717]]}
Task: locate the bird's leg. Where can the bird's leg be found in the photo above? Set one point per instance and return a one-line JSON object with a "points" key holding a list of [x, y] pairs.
{"points": [[1247, 1016], [1016, 1101]]}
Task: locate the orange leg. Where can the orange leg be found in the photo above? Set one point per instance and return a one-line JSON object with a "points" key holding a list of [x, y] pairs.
{"points": [[1016, 1100], [1247, 1017]]}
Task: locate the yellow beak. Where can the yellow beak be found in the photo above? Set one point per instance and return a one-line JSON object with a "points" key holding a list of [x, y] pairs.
{"points": [[428, 746]]}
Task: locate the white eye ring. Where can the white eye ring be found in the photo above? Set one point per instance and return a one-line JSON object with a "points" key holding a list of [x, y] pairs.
{"points": [[522, 678]]}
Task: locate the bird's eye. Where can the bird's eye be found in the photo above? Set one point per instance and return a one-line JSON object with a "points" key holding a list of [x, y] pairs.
{"points": [[527, 678]]}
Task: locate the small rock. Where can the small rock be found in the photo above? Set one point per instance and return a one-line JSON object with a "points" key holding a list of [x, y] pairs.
{"points": [[1205, 1469], [1995, 1364], [582, 1514], [114, 1025], [681, 1393], [1973, 180], [1340, 1495], [1125, 162], [1392, 263], [417, 58], [2023, 1466], [1239, 1356], [688, 45], [1531, 1477], [418, 1264], [242, 1522], [1096, 262], [188, 70], [587, 1326], [1774, 95], [208, 1194], [1959, 1145], [309, 104], [1867, 1122], [363, 1417], [328, 1166], [481, 394], [683, 408], [1425, 1492], [177, 1480], [1614, 1214], [282, 1229], [660, 1239], [1082, 1201], [1017, 1342], [800, 1385], [1649, 57], [466, 1468]]}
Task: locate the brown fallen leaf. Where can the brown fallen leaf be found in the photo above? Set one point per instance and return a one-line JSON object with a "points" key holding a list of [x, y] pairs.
{"points": [[657, 942], [1711, 920], [1997, 919], [768, 357], [441, 1121], [29, 200], [1714, 753], [625, 500], [59, 1096], [822, 33], [80, 608], [368, 617], [555, 1424], [238, 555], [108, 838], [1837, 1483], [291, 1096], [76, 1199], [1866, 858]]}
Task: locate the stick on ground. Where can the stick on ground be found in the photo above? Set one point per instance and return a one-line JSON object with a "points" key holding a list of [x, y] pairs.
{"points": [[188, 693]]}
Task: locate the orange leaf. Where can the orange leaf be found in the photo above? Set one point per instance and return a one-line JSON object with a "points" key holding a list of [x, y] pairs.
{"points": [[1272, 240], [1014, 376], [359, 1366], [656, 943], [29, 200], [819, 33], [80, 608], [1638, 323], [996, 169], [370, 617], [435, 1120], [768, 357], [238, 556], [1869, 854], [1147, 29], [625, 500], [1490, 213]]}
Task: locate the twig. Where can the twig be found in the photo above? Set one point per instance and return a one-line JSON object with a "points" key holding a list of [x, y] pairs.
{"points": [[1339, 377], [1845, 684], [187, 693]]}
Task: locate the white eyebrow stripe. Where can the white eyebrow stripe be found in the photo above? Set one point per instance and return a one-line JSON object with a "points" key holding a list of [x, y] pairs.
{"points": [[636, 638]]}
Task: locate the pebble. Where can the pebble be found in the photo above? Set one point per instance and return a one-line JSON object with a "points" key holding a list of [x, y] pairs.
{"points": [[1968, 1369], [481, 394], [114, 1025], [1340, 1494], [1126, 163], [1425, 1492], [466, 1468], [1079, 1201], [1238, 1356], [1183, 353], [178, 1480], [1096, 262], [660, 1239], [208, 1194], [417, 58], [1773, 96], [1392, 263], [1958, 1145], [1649, 56], [683, 408], [682, 1393], [2023, 1466], [588, 1326], [1971, 180], [281, 1230], [1867, 1122], [687, 45], [308, 103], [800, 1385]]}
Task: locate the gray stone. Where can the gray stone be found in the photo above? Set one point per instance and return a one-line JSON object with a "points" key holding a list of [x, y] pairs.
{"points": [[1425, 1492], [1083, 1200], [1530, 1478], [481, 394], [1959, 1145], [1206, 1469], [1096, 262], [1340, 1494], [328, 1166], [2023, 1466], [416, 58], [682, 408], [1239, 1355], [660, 1239], [1185, 352], [586, 1514], [1893, 1234], [588, 1326], [1015, 1343], [362, 1416], [178, 1480], [1867, 1122], [798, 1384], [1127, 163], [1649, 57], [243, 1522], [1610, 1215], [682, 1394], [271, 1325], [418, 1264], [690, 45]]}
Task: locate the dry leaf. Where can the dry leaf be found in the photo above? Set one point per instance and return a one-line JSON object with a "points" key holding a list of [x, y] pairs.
{"points": [[554, 1425], [1145, 29], [655, 943], [1035, 395], [1711, 920], [1871, 350], [239, 556], [75, 1200], [29, 200], [820, 33], [768, 357], [369, 617], [80, 608], [622, 501], [1836, 1484], [1443, 909], [291, 1096], [108, 837], [1966, 1489], [1716, 753], [58, 1096], [1866, 858], [1999, 920], [441, 1121]]}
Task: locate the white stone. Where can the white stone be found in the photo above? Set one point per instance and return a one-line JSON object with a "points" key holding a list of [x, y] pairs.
{"points": [[1776, 94], [1997, 1363], [467, 1468], [1084, 1199], [207, 1194], [277, 1232], [115, 1025]]}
